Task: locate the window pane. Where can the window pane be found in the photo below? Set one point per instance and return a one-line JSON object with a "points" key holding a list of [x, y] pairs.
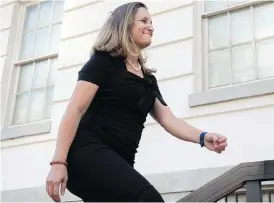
{"points": [[264, 20], [31, 18], [55, 38], [37, 101], [218, 32], [40, 76], [242, 64], [231, 198], [265, 196], [58, 11], [241, 26], [45, 13], [27, 45], [211, 5], [265, 58], [49, 101], [219, 68], [21, 107], [52, 71], [25, 78], [42, 40], [241, 198]]}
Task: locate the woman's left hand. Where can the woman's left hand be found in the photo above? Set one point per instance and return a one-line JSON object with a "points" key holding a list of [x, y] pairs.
{"points": [[215, 142]]}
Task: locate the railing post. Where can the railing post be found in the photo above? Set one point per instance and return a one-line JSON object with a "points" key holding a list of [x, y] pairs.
{"points": [[254, 191]]}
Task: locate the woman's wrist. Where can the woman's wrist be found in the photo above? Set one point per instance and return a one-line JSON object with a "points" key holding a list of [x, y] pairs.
{"points": [[60, 154], [58, 162], [202, 139], [59, 159]]}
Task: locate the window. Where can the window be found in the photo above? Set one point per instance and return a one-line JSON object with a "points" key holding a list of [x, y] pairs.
{"points": [[40, 38], [35, 65], [238, 42], [234, 42]]}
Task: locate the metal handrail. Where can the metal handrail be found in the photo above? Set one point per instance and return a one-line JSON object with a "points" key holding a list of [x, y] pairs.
{"points": [[250, 174]]}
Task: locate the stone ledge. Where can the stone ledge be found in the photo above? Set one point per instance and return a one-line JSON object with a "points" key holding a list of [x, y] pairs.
{"points": [[263, 87]]}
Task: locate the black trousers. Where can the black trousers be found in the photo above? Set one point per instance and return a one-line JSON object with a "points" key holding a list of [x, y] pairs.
{"points": [[98, 174]]}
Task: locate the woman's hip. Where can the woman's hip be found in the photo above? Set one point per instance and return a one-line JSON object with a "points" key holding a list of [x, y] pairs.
{"points": [[97, 173]]}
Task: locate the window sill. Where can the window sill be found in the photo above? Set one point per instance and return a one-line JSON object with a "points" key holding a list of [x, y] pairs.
{"points": [[26, 129], [231, 93]]}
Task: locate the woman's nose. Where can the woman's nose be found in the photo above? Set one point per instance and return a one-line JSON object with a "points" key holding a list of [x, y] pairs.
{"points": [[151, 28]]}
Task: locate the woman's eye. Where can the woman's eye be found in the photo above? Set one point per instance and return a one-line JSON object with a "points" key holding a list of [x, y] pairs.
{"points": [[144, 21]]}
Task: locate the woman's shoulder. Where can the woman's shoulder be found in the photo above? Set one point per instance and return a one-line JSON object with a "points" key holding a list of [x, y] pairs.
{"points": [[100, 57], [97, 68], [104, 57]]}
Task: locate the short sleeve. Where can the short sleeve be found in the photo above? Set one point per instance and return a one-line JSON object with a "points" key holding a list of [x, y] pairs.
{"points": [[95, 70], [157, 89]]}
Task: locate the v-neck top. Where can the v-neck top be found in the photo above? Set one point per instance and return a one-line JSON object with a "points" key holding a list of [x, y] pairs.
{"points": [[118, 111]]}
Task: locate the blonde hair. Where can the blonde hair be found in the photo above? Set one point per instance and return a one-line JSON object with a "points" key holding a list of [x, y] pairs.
{"points": [[114, 37]]}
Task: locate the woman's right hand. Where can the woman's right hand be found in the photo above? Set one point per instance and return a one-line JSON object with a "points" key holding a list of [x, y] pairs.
{"points": [[57, 176]]}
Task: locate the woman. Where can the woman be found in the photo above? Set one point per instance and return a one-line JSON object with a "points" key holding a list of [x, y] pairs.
{"points": [[101, 128]]}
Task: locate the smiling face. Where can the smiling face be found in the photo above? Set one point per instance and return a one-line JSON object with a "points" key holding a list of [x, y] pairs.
{"points": [[142, 29], [127, 30]]}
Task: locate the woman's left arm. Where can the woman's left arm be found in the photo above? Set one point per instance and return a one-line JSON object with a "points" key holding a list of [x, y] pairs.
{"points": [[182, 130]]}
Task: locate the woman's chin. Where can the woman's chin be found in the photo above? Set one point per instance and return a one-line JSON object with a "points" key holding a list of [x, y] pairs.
{"points": [[145, 44]]}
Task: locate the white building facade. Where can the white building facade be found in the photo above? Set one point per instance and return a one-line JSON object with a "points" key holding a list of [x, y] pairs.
{"points": [[215, 69]]}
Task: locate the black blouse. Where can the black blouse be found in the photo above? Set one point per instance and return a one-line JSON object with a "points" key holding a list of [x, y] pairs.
{"points": [[117, 114]]}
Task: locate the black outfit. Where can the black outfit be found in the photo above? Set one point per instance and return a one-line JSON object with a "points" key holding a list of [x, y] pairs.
{"points": [[101, 157]]}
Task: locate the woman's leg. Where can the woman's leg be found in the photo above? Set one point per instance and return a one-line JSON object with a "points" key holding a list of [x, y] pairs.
{"points": [[102, 175]]}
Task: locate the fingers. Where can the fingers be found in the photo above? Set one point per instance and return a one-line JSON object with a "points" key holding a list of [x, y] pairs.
{"points": [[56, 194], [222, 138], [63, 186], [221, 144], [53, 190], [220, 147], [50, 189], [215, 140]]}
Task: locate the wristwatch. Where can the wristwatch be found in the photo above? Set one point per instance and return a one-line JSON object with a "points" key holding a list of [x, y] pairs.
{"points": [[202, 139]]}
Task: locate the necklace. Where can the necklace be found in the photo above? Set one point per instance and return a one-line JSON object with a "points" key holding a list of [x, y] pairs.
{"points": [[134, 66]]}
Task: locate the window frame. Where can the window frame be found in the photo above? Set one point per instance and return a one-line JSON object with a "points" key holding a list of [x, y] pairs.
{"points": [[202, 95], [9, 129]]}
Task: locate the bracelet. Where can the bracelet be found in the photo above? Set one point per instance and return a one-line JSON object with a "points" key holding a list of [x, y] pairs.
{"points": [[58, 162], [202, 139]]}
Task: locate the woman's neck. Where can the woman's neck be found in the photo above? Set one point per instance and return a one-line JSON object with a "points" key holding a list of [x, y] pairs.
{"points": [[133, 59]]}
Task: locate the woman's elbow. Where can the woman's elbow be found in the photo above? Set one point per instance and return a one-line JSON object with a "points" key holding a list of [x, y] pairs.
{"points": [[167, 121], [76, 109]]}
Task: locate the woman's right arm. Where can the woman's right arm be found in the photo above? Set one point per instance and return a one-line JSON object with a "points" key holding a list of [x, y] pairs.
{"points": [[92, 75], [81, 98]]}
